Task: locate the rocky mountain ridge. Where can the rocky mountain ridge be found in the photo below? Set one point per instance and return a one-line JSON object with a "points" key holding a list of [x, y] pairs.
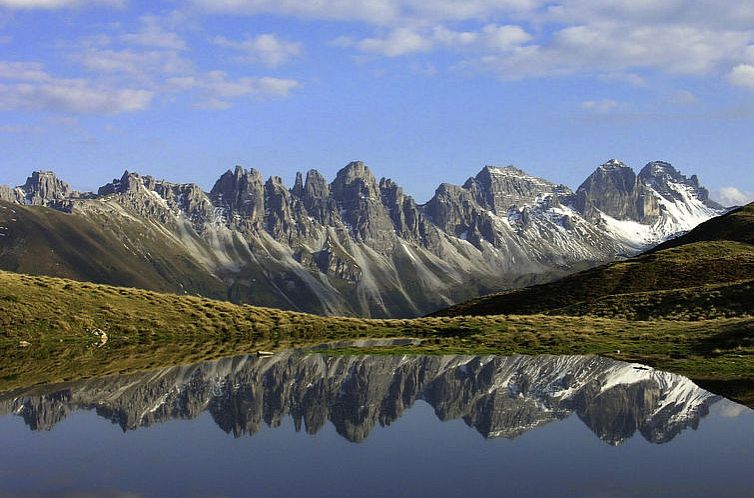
{"points": [[359, 245], [497, 396]]}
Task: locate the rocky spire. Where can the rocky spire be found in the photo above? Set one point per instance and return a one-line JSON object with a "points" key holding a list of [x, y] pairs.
{"points": [[404, 213], [44, 188], [615, 190], [298, 186], [664, 179], [316, 198], [357, 194], [497, 189], [279, 219], [10, 194], [240, 192]]}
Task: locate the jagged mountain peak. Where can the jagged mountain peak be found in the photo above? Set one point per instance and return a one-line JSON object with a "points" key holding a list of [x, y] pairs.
{"points": [[354, 181], [674, 186], [613, 164], [40, 175], [659, 168], [499, 188], [509, 170], [316, 184], [45, 188], [353, 171], [298, 185], [613, 172], [362, 246]]}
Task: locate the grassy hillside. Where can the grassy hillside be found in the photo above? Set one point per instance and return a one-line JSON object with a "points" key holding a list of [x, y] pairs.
{"points": [[706, 273], [43, 241], [58, 319]]}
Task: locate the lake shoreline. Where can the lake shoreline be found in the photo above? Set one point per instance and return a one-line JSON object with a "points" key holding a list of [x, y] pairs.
{"points": [[52, 329]]}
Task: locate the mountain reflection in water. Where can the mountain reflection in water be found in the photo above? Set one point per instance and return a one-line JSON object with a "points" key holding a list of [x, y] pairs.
{"points": [[498, 396]]}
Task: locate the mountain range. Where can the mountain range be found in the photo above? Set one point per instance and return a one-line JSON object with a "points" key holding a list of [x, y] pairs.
{"points": [[354, 246], [704, 274], [498, 396]]}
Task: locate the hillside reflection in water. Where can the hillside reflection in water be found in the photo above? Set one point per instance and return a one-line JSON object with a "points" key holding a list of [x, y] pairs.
{"points": [[548, 406]]}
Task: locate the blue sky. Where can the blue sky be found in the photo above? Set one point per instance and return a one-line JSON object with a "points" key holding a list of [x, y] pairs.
{"points": [[423, 91]]}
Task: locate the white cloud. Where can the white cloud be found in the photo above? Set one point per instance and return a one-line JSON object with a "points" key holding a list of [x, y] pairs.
{"points": [[405, 41], [56, 4], [138, 64], [732, 196], [380, 12], [631, 79], [727, 14], [266, 48], [400, 41], [610, 39], [27, 86], [731, 410], [23, 71], [491, 37], [613, 48], [603, 106], [75, 96], [152, 34], [217, 91], [742, 75]]}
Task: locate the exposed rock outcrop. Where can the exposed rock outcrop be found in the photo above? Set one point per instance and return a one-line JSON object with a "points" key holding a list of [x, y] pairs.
{"points": [[358, 245]]}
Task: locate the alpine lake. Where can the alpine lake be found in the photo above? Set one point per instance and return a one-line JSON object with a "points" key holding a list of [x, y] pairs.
{"points": [[309, 423]]}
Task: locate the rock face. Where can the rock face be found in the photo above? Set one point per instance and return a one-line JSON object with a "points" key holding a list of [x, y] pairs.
{"points": [[615, 190], [44, 188], [663, 179], [9, 194], [497, 396], [359, 245]]}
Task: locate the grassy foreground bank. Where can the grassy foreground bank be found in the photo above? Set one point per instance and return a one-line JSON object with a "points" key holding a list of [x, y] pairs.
{"points": [[60, 320]]}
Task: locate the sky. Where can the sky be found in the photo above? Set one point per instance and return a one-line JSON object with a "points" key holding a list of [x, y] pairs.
{"points": [[423, 91]]}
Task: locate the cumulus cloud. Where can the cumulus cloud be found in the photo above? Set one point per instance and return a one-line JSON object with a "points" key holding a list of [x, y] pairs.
{"points": [[266, 48], [23, 71], [631, 79], [135, 63], [153, 34], [611, 39], [731, 410], [404, 41], [216, 90], [76, 96], [708, 13], [135, 67], [381, 12], [27, 86], [401, 41], [742, 75], [613, 48], [604, 106], [732, 196]]}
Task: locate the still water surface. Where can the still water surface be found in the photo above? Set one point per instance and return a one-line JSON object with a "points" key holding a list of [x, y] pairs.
{"points": [[311, 425]]}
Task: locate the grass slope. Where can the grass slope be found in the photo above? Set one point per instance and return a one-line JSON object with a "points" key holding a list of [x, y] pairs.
{"points": [[707, 273], [147, 329], [43, 241]]}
